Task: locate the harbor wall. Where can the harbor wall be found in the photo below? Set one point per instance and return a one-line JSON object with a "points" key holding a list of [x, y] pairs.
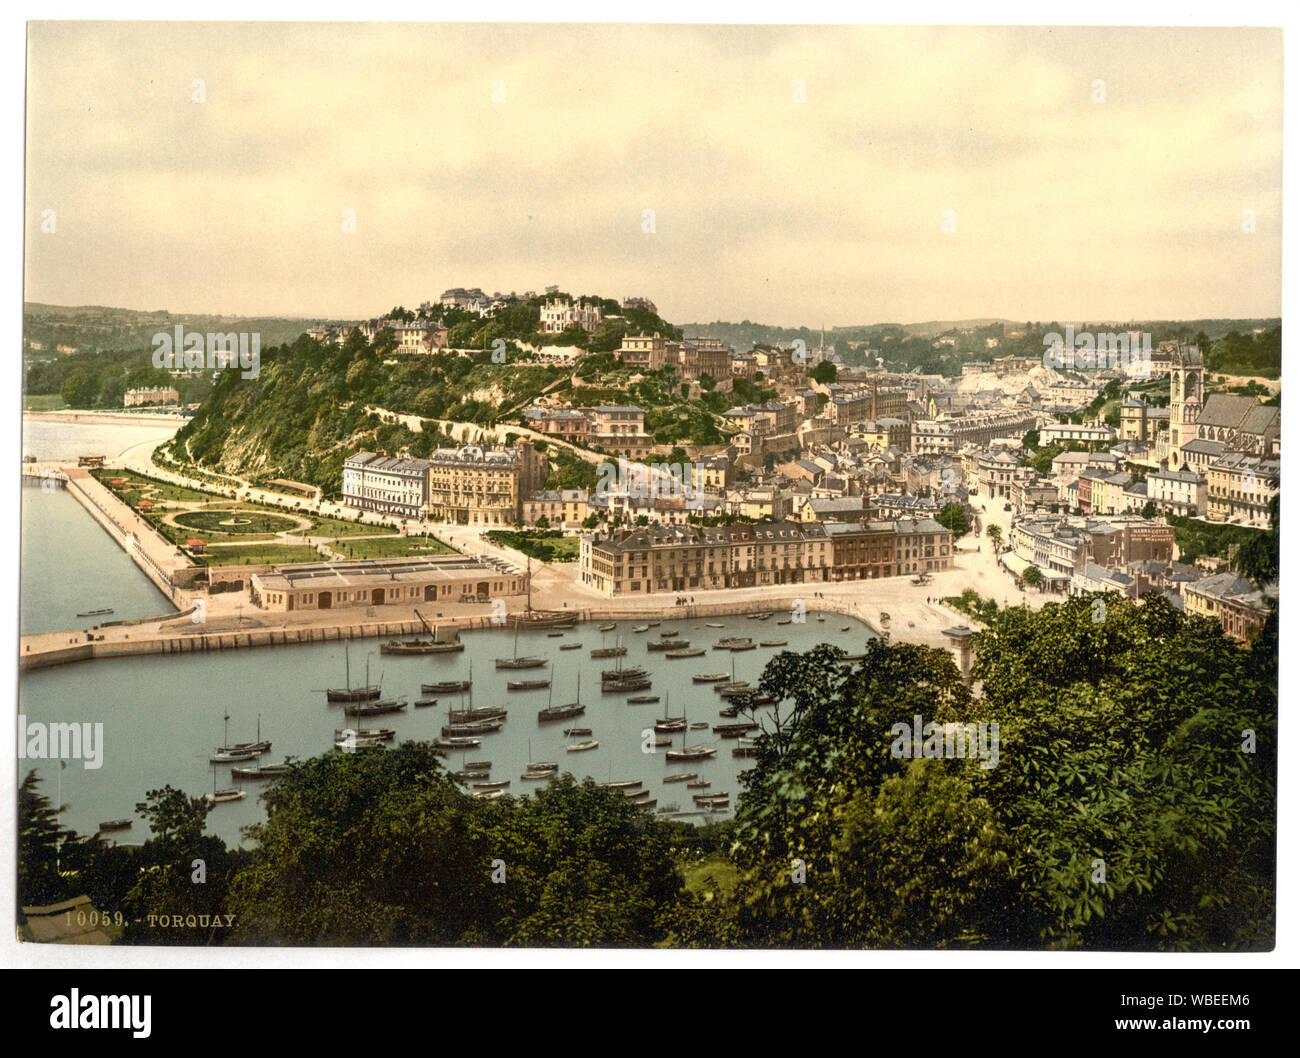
{"points": [[191, 642]]}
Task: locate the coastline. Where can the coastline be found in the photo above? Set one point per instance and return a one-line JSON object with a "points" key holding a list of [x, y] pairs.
{"points": [[107, 418]]}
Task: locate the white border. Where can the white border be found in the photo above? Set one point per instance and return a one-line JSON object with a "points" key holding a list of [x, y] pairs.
{"points": [[1099, 12]]}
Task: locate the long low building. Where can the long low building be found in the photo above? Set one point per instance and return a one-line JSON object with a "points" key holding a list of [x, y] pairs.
{"points": [[384, 582], [661, 558]]}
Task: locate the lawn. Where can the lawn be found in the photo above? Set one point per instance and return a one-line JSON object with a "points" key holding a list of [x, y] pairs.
{"points": [[161, 490], [258, 554], [391, 547], [543, 545], [43, 402], [324, 525], [251, 523]]}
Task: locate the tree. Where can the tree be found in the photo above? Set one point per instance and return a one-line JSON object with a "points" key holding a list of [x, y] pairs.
{"points": [[824, 372], [1257, 557], [591, 521], [182, 872], [39, 841], [994, 533], [1033, 576], [543, 522], [953, 517], [386, 848]]}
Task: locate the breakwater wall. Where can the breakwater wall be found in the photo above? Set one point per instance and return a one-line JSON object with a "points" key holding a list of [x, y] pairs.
{"points": [[197, 640]]}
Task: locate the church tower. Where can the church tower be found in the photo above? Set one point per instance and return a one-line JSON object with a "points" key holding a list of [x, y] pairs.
{"points": [[1186, 381]]}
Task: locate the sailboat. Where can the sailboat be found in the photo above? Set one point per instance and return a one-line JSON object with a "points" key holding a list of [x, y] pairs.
{"points": [[226, 754], [563, 712], [350, 693], [689, 753], [517, 662], [544, 769], [470, 715], [581, 747], [263, 771], [222, 796], [260, 746], [618, 650]]}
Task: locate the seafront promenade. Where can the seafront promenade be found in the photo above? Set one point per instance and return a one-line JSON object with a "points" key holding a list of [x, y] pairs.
{"points": [[228, 621]]}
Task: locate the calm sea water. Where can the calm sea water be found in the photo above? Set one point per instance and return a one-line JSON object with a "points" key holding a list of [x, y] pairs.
{"points": [[70, 565], [162, 716]]}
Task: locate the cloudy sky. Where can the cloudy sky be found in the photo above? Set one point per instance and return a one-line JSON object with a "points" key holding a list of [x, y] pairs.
{"points": [[1090, 174]]}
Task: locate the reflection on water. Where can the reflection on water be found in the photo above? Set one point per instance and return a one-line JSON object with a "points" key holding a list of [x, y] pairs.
{"points": [[162, 716]]}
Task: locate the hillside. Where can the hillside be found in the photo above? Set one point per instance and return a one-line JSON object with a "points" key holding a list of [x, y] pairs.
{"points": [[305, 413]]}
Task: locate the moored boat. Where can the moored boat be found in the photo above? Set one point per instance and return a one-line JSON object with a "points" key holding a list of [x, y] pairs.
{"points": [[623, 686], [527, 685], [115, 824], [467, 716], [685, 776], [445, 687], [457, 743], [474, 727], [693, 652], [391, 705], [560, 712], [710, 677]]}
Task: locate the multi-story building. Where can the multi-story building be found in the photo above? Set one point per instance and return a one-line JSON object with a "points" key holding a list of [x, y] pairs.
{"points": [[683, 558], [136, 397], [996, 474], [698, 357], [644, 352], [1180, 492], [619, 428], [1140, 421], [921, 546], [1063, 544], [385, 484], [1240, 487], [1235, 603], [1070, 431], [1092, 578], [559, 315], [882, 433], [566, 423], [461, 298], [422, 336], [947, 436], [473, 485], [562, 508], [862, 550]]}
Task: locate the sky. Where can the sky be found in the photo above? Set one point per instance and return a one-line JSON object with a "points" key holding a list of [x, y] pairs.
{"points": [[796, 176]]}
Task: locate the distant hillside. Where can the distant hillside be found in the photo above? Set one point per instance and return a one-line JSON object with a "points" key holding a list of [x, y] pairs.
{"points": [[96, 328]]}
